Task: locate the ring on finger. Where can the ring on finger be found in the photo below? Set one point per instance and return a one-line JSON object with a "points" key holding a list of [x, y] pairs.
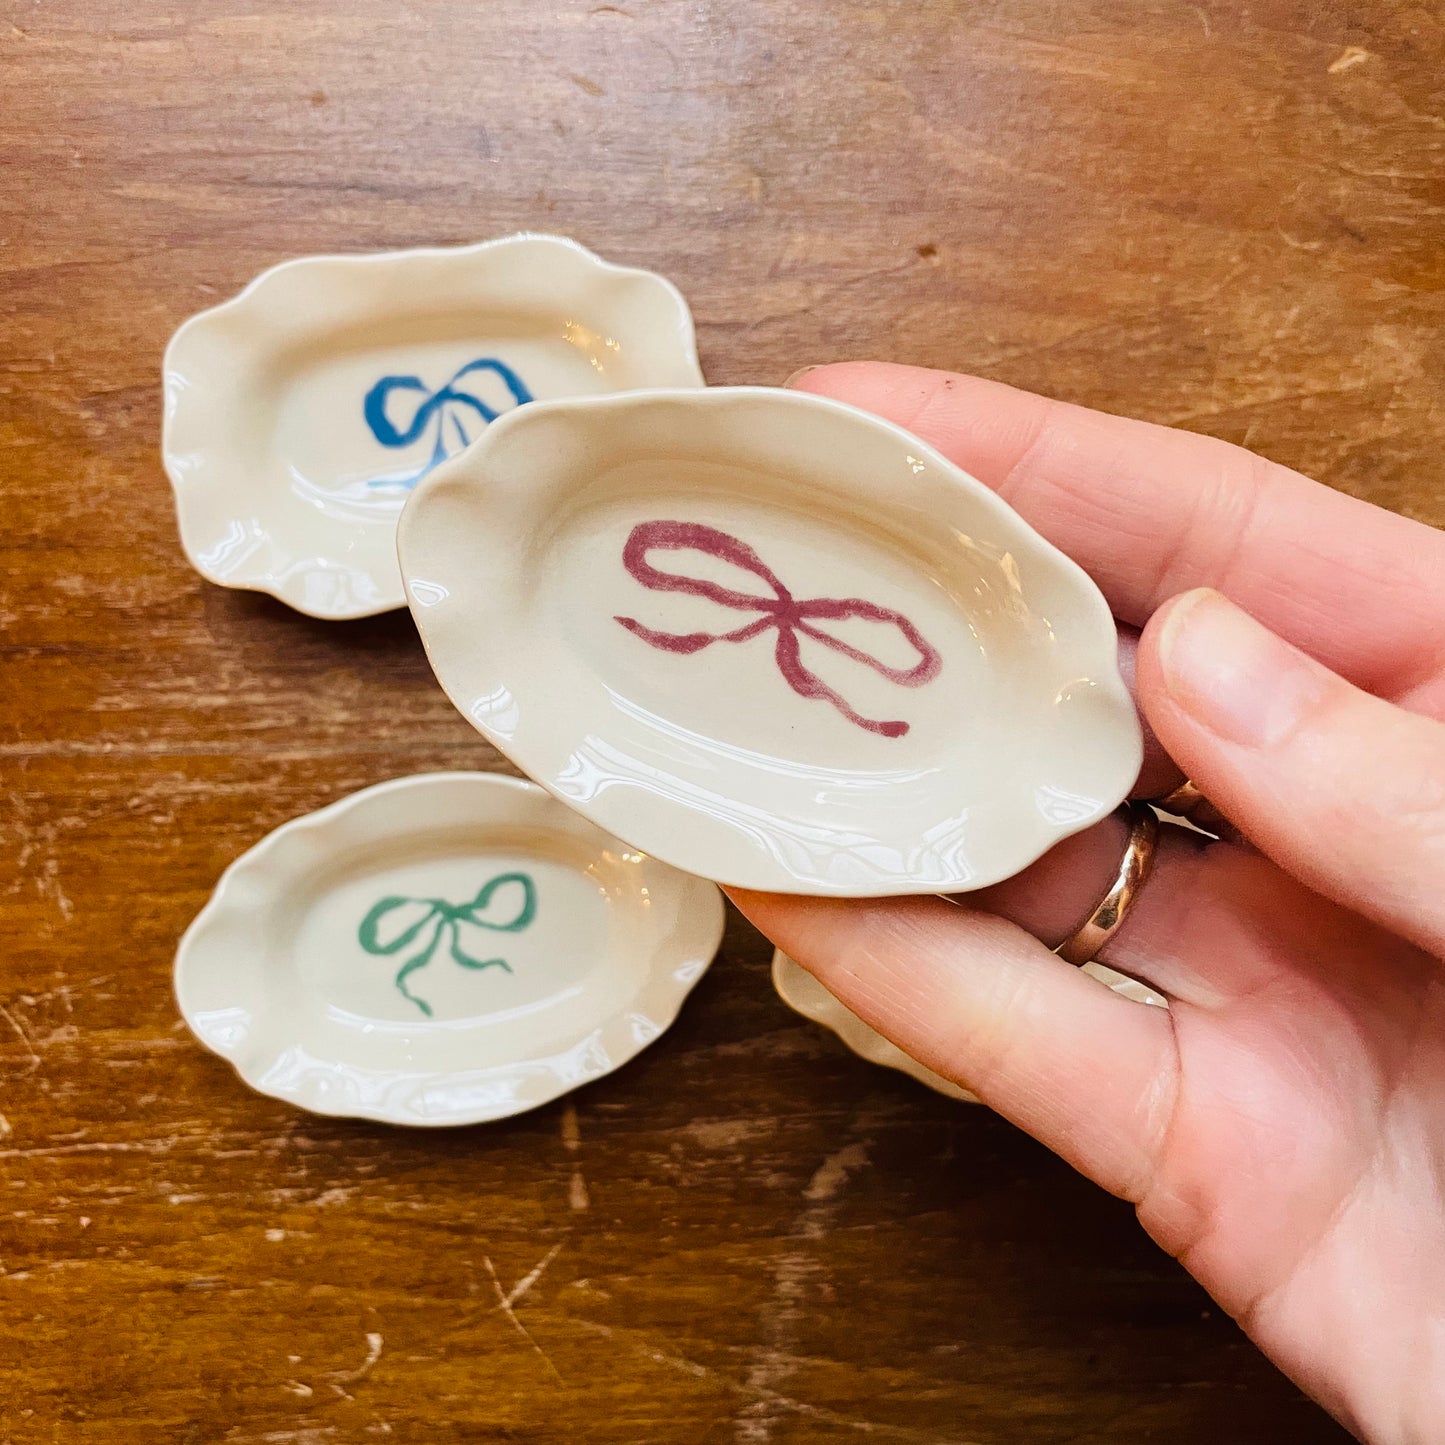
{"points": [[1189, 803], [1085, 943]]}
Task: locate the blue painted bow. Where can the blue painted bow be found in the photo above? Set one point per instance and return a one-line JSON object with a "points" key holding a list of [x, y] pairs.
{"points": [[448, 403], [444, 919]]}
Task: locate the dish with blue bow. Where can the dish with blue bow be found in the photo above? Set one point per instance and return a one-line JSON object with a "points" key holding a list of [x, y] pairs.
{"points": [[445, 948], [301, 414]]}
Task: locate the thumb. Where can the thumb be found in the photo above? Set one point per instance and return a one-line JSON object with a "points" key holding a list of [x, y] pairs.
{"points": [[1342, 790]]}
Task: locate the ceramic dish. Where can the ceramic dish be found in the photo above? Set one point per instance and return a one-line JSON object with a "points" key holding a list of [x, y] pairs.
{"points": [[299, 415], [805, 995], [770, 639], [441, 949]]}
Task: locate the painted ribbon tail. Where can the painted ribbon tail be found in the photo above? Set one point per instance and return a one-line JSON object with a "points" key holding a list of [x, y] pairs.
{"points": [[369, 936], [684, 643], [420, 961], [782, 611], [465, 960], [806, 683]]}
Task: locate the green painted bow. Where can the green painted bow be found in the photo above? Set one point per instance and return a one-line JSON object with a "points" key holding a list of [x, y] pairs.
{"points": [[444, 919]]}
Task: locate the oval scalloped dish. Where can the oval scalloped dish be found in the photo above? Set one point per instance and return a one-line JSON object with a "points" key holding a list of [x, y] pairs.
{"points": [[441, 949], [301, 414], [771, 639]]}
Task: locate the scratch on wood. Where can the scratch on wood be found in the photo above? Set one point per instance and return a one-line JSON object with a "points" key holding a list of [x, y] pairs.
{"points": [[50, 883], [571, 1129], [833, 1172], [728, 1133], [24, 1039], [309, 1435], [373, 1354], [519, 1290], [148, 1146], [578, 1198], [1348, 58], [784, 1404], [1295, 244], [772, 1359], [506, 1301]]}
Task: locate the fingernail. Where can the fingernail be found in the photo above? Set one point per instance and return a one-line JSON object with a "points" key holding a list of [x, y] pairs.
{"points": [[1233, 676], [798, 375]]}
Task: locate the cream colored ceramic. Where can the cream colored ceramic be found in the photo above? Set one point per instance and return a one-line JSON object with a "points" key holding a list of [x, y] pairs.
{"points": [[299, 415], [770, 639], [805, 995], [441, 949]]}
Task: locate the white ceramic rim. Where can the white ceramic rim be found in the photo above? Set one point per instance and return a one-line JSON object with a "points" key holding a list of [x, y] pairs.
{"points": [[835, 1016], [199, 494], [249, 883], [692, 845]]}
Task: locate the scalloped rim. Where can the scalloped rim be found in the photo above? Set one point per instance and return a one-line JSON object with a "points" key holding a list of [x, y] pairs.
{"points": [[251, 883], [806, 996], [184, 429], [449, 636]]}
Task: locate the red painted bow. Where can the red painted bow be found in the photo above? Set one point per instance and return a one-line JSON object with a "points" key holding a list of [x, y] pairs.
{"points": [[792, 619]]}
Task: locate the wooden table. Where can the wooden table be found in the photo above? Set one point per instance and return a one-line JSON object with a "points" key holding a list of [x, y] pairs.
{"points": [[1158, 207]]}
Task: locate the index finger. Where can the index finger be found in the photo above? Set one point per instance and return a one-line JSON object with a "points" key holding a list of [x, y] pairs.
{"points": [[1151, 512]]}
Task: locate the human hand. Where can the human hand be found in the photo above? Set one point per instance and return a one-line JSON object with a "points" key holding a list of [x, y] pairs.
{"points": [[1281, 1127]]}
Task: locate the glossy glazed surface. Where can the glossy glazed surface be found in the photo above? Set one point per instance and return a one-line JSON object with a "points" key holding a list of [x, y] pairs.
{"points": [[771, 639], [300, 415], [441, 949]]}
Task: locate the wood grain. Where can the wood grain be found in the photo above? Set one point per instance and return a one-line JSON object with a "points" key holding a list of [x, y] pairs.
{"points": [[1220, 216]]}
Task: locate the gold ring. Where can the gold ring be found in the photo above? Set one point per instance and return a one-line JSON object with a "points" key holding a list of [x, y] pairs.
{"points": [[1187, 802], [1085, 943], [1183, 801]]}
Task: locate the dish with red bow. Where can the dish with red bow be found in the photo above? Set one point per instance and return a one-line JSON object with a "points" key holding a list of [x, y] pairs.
{"points": [[770, 639]]}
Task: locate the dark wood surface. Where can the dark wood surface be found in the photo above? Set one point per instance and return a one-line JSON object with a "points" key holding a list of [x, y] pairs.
{"points": [[1230, 217]]}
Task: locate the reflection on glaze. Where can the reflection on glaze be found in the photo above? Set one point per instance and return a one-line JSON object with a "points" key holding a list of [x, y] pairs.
{"points": [[448, 403], [781, 611], [444, 918]]}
